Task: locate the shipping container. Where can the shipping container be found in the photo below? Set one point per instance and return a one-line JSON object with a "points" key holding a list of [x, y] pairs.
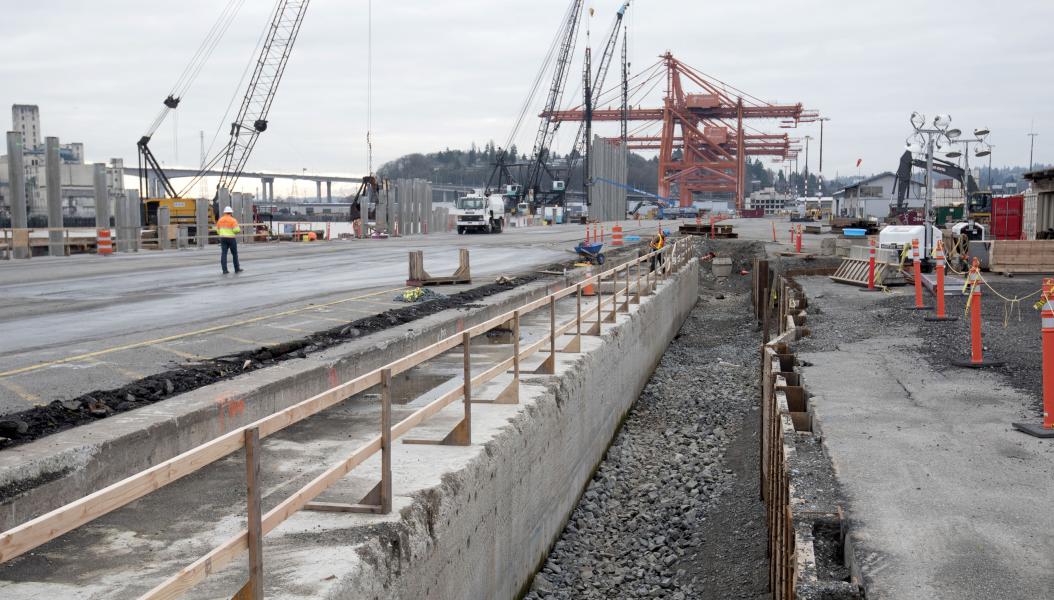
{"points": [[702, 101], [1007, 213]]}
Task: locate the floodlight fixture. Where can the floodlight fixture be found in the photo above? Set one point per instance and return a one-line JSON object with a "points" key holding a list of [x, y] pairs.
{"points": [[942, 121], [981, 132], [918, 120], [953, 133], [982, 152], [953, 154]]}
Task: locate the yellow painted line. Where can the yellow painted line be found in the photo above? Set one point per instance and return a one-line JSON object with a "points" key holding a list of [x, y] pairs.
{"points": [[358, 311], [21, 392], [130, 374], [295, 329], [179, 336], [345, 321], [179, 352], [242, 340]]}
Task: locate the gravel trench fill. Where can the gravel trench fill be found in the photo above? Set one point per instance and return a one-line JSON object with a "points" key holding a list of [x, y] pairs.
{"points": [[673, 510]]}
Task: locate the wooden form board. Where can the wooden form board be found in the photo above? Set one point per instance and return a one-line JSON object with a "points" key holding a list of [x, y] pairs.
{"points": [[1012, 256], [49, 526]]}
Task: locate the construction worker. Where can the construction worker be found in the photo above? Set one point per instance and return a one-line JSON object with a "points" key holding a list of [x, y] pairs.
{"points": [[657, 243], [227, 228]]}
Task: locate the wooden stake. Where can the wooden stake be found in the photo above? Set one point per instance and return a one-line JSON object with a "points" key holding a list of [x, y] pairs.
{"points": [[575, 345], [461, 434], [548, 367], [253, 589], [511, 393]]}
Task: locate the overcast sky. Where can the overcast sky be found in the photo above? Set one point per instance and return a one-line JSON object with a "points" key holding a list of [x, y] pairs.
{"points": [[452, 72]]}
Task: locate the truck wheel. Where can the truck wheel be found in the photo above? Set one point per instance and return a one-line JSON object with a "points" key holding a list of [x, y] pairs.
{"points": [[500, 224], [460, 230]]}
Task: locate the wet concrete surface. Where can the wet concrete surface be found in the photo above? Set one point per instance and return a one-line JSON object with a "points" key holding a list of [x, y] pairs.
{"points": [[128, 551], [82, 323]]}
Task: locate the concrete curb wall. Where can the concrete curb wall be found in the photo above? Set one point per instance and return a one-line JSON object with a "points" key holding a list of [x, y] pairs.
{"points": [[50, 472], [483, 532]]}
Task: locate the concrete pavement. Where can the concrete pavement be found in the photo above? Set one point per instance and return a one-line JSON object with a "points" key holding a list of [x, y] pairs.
{"points": [[946, 500], [76, 324]]}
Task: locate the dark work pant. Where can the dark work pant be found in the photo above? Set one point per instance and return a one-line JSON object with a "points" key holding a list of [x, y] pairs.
{"points": [[229, 243], [656, 261]]}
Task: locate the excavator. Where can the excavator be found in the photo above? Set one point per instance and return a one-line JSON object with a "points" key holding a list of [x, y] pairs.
{"points": [[251, 120], [980, 202]]}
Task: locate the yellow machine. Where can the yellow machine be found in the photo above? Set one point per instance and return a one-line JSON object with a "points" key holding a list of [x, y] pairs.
{"points": [[181, 211]]}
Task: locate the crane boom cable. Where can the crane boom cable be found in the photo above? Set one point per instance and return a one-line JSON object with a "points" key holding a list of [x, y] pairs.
{"points": [[197, 62], [270, 66], [533, 91], [226, 113], [545, 130], [369, 86]]}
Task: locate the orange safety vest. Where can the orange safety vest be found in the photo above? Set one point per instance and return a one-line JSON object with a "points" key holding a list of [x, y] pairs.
{"points": [[227, 226], [659, 242]]}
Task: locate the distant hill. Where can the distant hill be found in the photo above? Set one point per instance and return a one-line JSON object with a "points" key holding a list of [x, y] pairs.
{"points": [[473, 168]]}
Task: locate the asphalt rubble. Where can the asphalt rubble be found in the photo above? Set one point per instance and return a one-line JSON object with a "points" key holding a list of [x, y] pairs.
{"points": [[62, 414], [672, 510]]}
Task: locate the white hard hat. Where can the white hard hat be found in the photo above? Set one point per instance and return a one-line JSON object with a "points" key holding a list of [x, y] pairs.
{"points": [[228, 210]]}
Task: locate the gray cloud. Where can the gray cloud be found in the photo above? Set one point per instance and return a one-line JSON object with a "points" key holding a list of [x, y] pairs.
{"points": [[450, 73]]}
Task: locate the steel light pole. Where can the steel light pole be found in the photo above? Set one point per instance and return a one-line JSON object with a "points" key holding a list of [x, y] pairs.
{"points": [[821, 120], [934, 138], [981, 136]]}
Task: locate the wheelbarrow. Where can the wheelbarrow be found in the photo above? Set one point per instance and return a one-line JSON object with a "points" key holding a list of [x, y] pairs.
{"points": [[591, 252]]}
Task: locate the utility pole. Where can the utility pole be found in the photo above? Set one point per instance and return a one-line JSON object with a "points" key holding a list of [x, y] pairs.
{"points": [[1032, 146], [990, 146], [805, 173], [821, 120]]}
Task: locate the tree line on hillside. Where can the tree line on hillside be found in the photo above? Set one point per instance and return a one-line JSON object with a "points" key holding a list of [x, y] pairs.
{"points": [[474, 168]]}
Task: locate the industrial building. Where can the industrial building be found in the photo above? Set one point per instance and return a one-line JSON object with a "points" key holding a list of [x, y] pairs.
{"points": [[78, 195], [1038, 217], [769, 200], [872, 196]]}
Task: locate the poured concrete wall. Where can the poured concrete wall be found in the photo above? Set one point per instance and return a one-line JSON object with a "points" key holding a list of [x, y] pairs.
{"points": [[483, 528]]}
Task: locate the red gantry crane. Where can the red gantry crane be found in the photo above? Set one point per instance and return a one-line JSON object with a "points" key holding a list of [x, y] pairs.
{"points": [[703, 142]]}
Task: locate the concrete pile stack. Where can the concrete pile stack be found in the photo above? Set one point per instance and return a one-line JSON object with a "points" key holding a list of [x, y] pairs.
{"points": [[607, 161], [414, 199]]}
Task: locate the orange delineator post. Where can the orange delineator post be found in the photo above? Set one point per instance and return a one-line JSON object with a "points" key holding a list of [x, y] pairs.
{"points": [[1045, 429], [974, 303], [916, 260], [773, 231], [938, 291], [797, 240], [616, 235], [976, 349], [1047, 315], [871, 265]]}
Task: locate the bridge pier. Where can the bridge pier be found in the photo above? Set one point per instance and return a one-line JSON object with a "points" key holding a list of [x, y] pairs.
{"points": [[329, 192]]}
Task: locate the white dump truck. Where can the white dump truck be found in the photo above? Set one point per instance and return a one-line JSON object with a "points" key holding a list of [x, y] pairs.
{"points": [[480, 212]]}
